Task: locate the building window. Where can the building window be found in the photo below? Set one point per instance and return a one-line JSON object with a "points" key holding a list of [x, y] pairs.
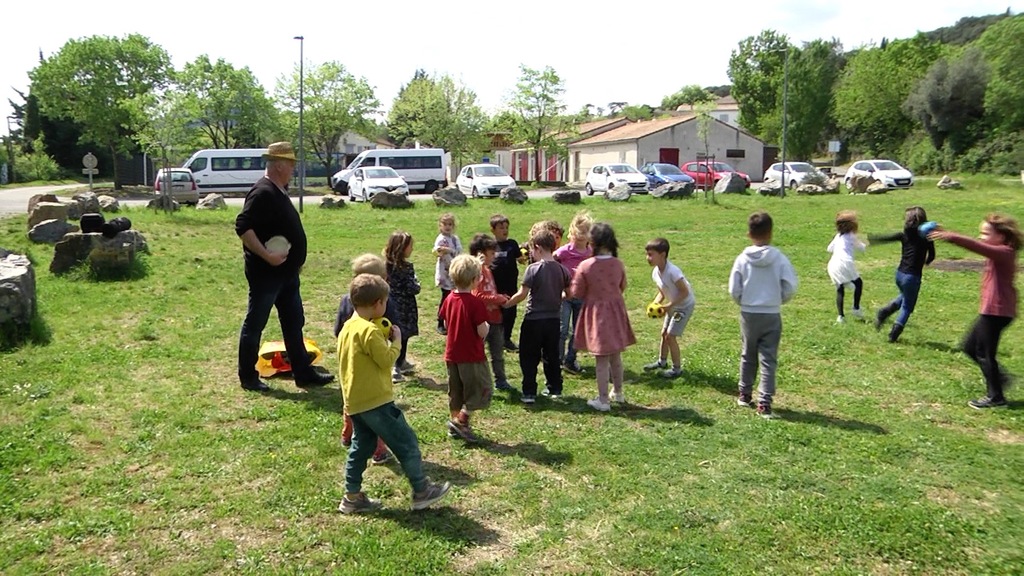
{"points": [[723, 117], [735, 153]]}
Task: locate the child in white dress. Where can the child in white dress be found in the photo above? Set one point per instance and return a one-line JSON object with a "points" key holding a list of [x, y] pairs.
{"points": [[841, 267]]}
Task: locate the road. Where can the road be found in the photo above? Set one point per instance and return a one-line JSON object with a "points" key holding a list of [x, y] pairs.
{"points": [[15, 200]]}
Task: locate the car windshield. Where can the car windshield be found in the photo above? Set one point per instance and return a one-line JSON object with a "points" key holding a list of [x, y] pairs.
{"points": [[621, 169], [722, 167], [381, 173], [176, 176], [801, 167], [489, 171], [667, 169], [887, 165]]}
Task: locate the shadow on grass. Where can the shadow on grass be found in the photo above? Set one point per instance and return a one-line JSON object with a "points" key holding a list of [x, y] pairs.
{"points": [[690, 378], [428, 383], [13, 336], [536, 453], [443, 522], [326, 399], [632, 411], [942, 347], [828, 421]]}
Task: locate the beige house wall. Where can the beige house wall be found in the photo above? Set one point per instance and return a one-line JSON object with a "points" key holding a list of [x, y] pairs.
{"points": [[721, 138], [612, 153]]}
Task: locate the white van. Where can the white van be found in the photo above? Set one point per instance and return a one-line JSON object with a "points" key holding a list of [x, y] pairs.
{"points": [[423, 169], [232, 170]]}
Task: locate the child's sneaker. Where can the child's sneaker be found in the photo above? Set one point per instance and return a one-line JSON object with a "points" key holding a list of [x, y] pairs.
{"points": [[461, 430], [346, 443], [432, 493], [765, 411], [358, 504], [407, 367], [396, 376], [986, 402], [840, 319], [503, 385], [596, 404], [528, 399], [382, 458], [572, 368], [553, 395], [744, 400], [656, 365], [672, 373], [618, 397], [858, 313]]}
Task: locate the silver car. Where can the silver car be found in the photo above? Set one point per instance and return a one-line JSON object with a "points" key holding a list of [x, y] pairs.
{"points": [[182, 185]]}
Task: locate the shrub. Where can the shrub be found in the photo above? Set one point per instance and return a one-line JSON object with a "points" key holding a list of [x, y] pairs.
{"points": [[37, 165]]}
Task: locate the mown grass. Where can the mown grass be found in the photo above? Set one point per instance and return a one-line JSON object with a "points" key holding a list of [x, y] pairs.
{"points": [[126, 445]]}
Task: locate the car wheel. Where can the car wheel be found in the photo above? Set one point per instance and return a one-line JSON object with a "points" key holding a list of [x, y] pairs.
{"points": [[341, 187], [590, 189], [848, 187], [792, 184], [430, 187], [475, 193]]}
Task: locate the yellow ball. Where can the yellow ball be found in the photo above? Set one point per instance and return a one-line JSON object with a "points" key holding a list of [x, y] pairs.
{"points": [[655, 310], [384, 325]]}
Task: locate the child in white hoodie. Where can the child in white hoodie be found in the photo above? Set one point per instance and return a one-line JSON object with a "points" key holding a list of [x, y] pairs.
{"points": [[762, 279]]}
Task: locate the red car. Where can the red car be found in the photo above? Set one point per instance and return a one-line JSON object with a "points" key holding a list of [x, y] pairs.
{"points": [[700, 172]]}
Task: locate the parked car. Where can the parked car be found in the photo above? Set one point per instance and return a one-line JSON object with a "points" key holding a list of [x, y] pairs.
{"points": [[604, 176], [478, 180], [885, 171], [367, 182], [796, 173], [702, 172], [182, 185], [659, 173]]}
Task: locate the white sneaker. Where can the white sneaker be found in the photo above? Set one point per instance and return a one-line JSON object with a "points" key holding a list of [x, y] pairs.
{"points": [[596, 404], [672, 373], [656, 365], [840, 319], [858, 313], [396, 376], [618, 397]]}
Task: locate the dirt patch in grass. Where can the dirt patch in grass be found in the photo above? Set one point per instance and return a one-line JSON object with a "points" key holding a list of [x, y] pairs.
{"points": [[1005, 437]]}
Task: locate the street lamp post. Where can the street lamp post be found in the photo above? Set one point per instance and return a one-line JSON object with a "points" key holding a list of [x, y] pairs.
{"points": [[785, 115], [302, 148]]}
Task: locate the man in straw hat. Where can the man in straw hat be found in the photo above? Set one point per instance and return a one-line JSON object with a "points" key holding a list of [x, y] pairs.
{"points": [[273, 271]]}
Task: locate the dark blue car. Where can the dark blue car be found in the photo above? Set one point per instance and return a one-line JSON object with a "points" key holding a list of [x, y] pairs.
{"points": [[660, 173]]}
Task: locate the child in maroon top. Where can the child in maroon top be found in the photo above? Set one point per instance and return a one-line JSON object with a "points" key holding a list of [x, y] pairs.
{"points": [[999, 241], [465, 315], [484, 247]]}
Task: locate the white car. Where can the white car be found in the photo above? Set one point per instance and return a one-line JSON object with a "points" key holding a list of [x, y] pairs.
{"points": [[796, 173], [366, 182], [604, 177], [478, 180], [885, 171]]}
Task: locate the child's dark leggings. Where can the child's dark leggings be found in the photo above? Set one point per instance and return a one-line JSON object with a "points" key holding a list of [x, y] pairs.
{"points": [[444, 294], [981, 344], [858, 288]]}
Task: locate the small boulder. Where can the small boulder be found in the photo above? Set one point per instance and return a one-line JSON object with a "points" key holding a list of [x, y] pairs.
{"points": [[104, 255], [50, 231], [731, 183], [770, 187], [164, 203], [567, 197], [513, 195], [832, 185], [212, 201], [858, 184], [810, 190], [89, 200], [877, 187], [331, 202], [388, 200], [673, 190], [74, 209], [947, 183], [33, 201], [108, 203], [17, 289], [618, 194], [449, 197], [47, 211]]}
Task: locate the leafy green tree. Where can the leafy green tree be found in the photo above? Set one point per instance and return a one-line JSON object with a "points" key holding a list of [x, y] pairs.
{"points": [[442, 113], [161, 127], [228, 105], [406, 109], [539, 112], [870, 93], [949, 101], [638, 111], [756, 71], [93, 81], [690, 95], [1003, 47], [334, 102]]}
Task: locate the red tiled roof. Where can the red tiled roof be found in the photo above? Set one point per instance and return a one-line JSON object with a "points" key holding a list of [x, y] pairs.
{"points": [[634, 130]]}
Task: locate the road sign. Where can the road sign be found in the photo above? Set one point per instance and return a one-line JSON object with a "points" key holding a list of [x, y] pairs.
{"points": [[90, 171], [834, 146], [89, 161]]}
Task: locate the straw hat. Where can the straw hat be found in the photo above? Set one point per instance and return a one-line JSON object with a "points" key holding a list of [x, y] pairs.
{"points": [[280, 151]]}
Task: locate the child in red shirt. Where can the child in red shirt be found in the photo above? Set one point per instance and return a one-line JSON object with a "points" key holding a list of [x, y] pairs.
{"points": [[484, 247], [999, 241], [465, 315]]}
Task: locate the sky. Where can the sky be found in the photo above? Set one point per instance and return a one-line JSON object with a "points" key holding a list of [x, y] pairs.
{"points": [[636, 52]]}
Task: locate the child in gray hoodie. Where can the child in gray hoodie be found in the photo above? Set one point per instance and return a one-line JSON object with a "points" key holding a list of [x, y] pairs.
{"points": [[762, 279]]}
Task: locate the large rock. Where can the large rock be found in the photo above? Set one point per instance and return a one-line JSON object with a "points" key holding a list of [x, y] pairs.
{"points": [[770, 187], [74, 209], [567, 197], [164, 203], [401, 200], [810, 190], [33, 201], [832, 185], [330, 201], [89, 200], [859, 184], [108, 203], [514, 195], [731, 183], [947, 183], [50, 231], [17, 289], [449, 197], [213, 201], [618, 194], [47, 211], [104, 255], [673, 190], [877, 187]]}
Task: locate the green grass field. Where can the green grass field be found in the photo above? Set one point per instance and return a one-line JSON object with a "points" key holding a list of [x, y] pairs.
{"points": [[127, 446]]}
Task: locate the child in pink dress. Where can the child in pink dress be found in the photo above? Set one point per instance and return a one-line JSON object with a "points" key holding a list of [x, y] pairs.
{"points": [[603, 328]]}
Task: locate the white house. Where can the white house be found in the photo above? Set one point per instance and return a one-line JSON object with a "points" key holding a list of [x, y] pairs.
{"points": [[672, 140], [726, 110], [351, 144]]}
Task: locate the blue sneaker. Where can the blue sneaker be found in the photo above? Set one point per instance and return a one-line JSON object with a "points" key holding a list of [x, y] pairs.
{"points": [[503, 385], [528, 399]]}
